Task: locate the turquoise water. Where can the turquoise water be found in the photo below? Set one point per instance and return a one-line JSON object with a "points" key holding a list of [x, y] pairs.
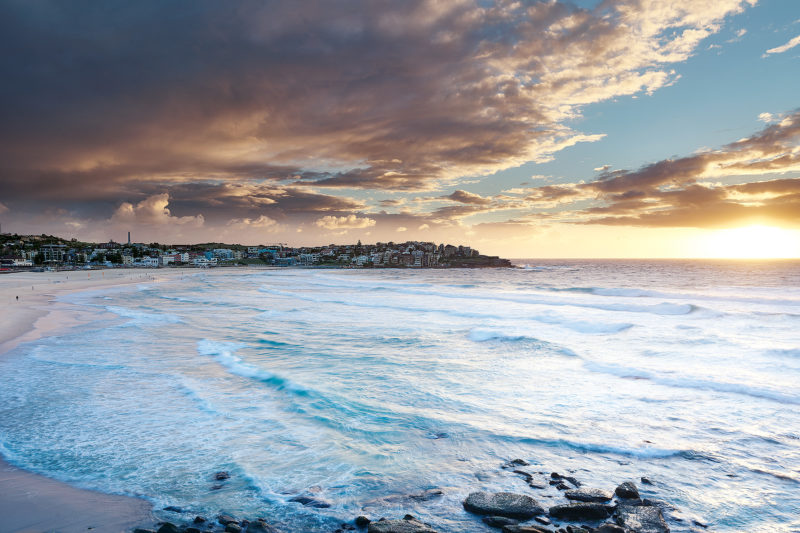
{"points": [[359, 387]]}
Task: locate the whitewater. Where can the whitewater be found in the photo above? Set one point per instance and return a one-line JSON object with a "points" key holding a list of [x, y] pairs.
{"points": [[361, 387]]}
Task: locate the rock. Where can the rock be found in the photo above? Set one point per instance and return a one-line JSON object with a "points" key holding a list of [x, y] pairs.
{"points": [[260, 526], [499, 521], [167, 527], [581, 511], [542, 520], [226, 519], [516, 462], [641, 519], [555, 476], [527, 528], [427, 495], [700, 524], [233, 528], [527, 476], [562, 486], [308, 501], [399, 526], [362, 521], [646, 481], [503, 504], [222, 475], [191, 530], [589, 495], [609, 528], [199, 520], [173, 509], [140, 530], [627, 490]]}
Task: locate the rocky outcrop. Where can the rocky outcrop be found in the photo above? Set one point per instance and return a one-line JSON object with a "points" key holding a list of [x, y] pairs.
{"points": [[406, 525], [506, 504], [581, 511], [641, 519], [588, 495]]}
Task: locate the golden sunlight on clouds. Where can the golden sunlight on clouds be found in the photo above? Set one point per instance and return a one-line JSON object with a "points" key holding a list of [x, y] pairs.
{"points": [[751, 242]]}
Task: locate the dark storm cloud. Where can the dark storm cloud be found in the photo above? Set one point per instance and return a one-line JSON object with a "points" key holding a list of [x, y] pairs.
{"points": [[393, 95]]}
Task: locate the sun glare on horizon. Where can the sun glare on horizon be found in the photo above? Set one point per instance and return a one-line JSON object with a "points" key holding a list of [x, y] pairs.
{"points": [[752, 242]]}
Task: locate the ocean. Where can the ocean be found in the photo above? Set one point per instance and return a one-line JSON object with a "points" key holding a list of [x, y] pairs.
{"points": [[361, 389]]}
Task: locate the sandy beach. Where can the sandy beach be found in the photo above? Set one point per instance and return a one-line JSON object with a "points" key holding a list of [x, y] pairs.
{"points": [[34, 503]]}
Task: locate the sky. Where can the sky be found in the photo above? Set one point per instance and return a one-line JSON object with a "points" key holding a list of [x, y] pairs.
{"points": [[628, 128]]}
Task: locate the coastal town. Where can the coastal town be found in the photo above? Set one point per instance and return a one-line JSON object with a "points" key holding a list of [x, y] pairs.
{"points": [[35, 252]]}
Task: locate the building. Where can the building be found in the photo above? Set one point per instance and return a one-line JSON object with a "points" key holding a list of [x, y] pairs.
{"points": [[53, 253]]}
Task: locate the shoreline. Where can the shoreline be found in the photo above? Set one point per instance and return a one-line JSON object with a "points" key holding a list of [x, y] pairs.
{"points": [[31, 502]]}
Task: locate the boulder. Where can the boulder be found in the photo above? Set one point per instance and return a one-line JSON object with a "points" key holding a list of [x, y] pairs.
{"points": [[362, 521], [173, 509], [589, 495], [233, 528], [581, 511], [499, 521], [399, 526], [141, 530], [226, 519], [260, 526], [222, 475], [609, 528], [642, 519], [199, 520], [627, 490], [167, 527], [506, 504]]}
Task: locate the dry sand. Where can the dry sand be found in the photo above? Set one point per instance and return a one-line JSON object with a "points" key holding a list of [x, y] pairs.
{"points": [[30, 502]]}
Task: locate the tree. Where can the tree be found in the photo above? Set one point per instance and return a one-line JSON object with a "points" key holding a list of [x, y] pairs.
{"points": [[38, 259]]}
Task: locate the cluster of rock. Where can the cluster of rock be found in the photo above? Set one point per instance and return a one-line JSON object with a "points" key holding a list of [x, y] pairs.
{"points": [[628, 514], [587, 510]]}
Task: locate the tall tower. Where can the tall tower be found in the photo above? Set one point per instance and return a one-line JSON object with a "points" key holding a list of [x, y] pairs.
{"points": [[129, 238]]}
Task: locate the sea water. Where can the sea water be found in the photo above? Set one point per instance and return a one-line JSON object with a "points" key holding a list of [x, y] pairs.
{"points": [[361, 387]]}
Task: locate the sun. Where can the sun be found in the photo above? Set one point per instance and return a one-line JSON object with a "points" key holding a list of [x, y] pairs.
{"points": [[752, 242]]}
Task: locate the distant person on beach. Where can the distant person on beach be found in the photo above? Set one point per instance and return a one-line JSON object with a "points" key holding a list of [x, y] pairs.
{"points": [[17, 298]]}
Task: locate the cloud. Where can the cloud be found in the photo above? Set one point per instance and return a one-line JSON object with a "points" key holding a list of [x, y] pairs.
{"points": [[465, 197], [154, 211], [402, 228], [687, 192], [3, 208], [423, 226], [348, 94], [261, 222], [345, 222], [783, 48]]}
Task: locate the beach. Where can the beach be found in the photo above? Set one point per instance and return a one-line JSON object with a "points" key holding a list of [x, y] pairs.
{"points": [[34, 503], [309, 397]]}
